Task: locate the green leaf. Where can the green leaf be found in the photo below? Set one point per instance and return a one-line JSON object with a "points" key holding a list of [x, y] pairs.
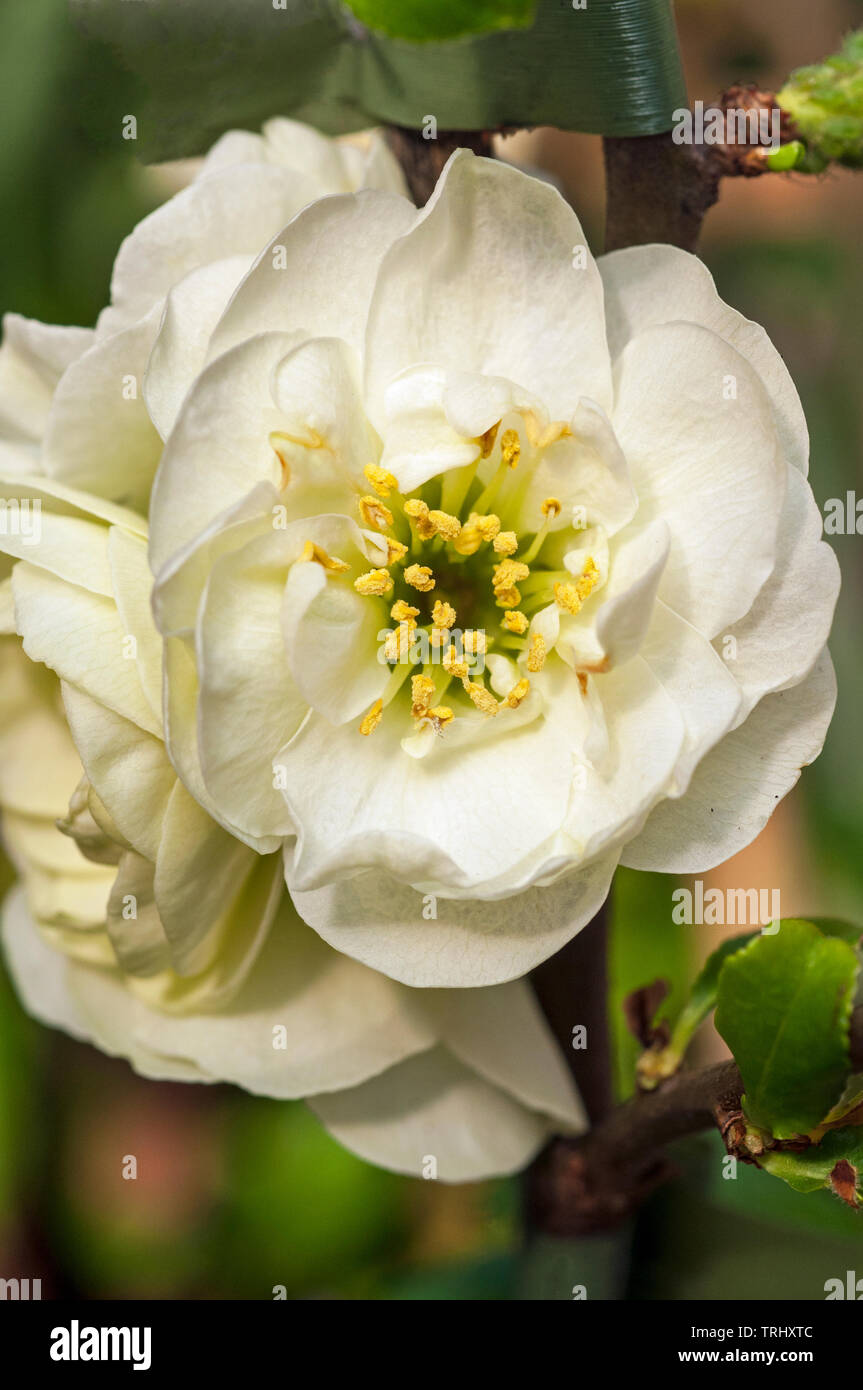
{"points": [[826, 103], [784, 1005], [211, 65], [813, 1168], [445, 19], [654, 1067]]}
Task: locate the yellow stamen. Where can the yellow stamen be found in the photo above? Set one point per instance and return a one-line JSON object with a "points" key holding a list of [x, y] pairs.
{"points": [[507, 598], [506, 543], [536, 655], [515, 622], [508, 573], [440, 715], [373, 718], [551, 507], [572, 596], [474, 642], [489, 526], [558, 429], [398, 644], [420, 577], [510, 448], [445, 525], [519, 692], [395, 550], [401, 611], [378, 582], [422, 694], [487, 439], [320, 556], [383, 482], [374, 513], [482, 698], [453, 665], [418, 512], [443, 614]]}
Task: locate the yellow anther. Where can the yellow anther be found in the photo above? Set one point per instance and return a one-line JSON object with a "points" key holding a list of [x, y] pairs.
{"points": [[422, 691], [440, 715], [378, 582], [443, 614], [401, 611], [474, 642], [551, 507], [508, 573], [558, 429], [395, 550], [398, 644], [445, 525], [482, 698], [418, 512], [420, 577], [486, 440], [519, 692], [454, 665], [383, 482], [470, 539], [536, 655], [320, 556], [507, 598], [510, 447], [506, 543], [374, 513], [488, 526], [515, 622], [572, 596], [373, 718]]}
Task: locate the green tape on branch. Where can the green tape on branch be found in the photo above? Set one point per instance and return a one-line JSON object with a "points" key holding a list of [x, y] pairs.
{"points": [[610, 68]]}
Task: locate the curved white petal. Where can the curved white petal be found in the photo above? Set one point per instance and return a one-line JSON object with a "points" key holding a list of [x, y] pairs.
{"points": [[647, 285], [694, 421], [33, 357], [485, 282], [735, 789]]}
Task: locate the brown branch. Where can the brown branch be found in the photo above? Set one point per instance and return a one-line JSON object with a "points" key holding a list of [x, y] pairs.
{"points": [[659, 191], [422, 160], [580, 1186]]}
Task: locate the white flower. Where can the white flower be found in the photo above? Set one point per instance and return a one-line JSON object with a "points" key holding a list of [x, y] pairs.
{"points": [[599, 468], [141, 924]]}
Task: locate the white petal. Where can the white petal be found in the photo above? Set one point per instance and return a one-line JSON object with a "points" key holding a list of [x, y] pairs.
{"points": [[778, 641], [647, 285], [32, 359], [709, 465], [133, 582], [80, 636], [40, 974], [325, 293], [432, 1106], [38, 763], [485, 283], [381, 922], [66, 546], [99, 436], [735, 789], [231, 212], [192, 310]]}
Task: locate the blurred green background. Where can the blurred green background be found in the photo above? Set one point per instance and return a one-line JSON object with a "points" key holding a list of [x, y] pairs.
{"points": [[237, 1195]]}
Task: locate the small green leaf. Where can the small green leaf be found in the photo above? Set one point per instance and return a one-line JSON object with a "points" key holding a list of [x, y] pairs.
{"points": [[786, 157], [445, 19], [783, 1007], [814, 1168], [654, 1067]]}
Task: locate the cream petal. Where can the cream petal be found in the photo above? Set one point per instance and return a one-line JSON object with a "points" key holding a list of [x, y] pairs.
{"points": [[485, 283], [99, 436], [80, 636], [647, 285], [778, 641], [40, 974], [38, 763], [192, 310], [326, 294], [434, 1107], [709, 466], [134, 926], [430, 941], [33, 357], [233, 211], [736, 787], [132, 581]]}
